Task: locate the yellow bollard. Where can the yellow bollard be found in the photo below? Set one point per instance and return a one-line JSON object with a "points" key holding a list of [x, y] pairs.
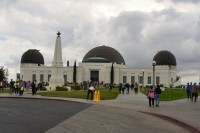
{"points": [[95, 96], [98, 96], [138, 88]]}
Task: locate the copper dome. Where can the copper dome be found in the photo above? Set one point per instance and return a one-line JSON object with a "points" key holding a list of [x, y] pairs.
{"points": [[103, 54]]}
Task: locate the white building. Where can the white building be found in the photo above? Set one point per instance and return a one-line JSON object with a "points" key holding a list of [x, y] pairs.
{"points": [[96, 66]]}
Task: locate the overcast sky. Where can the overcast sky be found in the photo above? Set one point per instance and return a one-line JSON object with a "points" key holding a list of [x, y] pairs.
{"points": [[138, 29]]}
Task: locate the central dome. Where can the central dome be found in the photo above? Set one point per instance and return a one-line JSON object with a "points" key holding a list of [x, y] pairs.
{"points": [[103, 54]]}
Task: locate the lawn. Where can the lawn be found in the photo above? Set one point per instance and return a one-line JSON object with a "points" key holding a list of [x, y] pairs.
{"points": [[4, 91], [104, 94], [171, 94]]}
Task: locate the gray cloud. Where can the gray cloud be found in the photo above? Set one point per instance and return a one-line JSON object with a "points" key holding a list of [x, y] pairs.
{"points": [[182, 1], [137, 35], [186, 1]]}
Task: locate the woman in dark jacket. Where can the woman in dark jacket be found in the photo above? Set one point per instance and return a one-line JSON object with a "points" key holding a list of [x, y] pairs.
{"points": [[158, 91]]}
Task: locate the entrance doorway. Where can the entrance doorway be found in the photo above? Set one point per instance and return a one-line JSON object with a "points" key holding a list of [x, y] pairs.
{"points": [[94, 75]]}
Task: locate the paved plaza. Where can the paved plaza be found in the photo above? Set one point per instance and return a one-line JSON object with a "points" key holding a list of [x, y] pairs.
{"points": [[129, 113]]}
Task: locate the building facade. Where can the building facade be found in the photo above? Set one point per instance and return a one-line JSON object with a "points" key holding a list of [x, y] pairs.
{"points": [[96, 65]]}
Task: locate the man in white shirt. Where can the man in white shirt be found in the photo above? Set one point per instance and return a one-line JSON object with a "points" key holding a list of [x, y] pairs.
{"points": [[90, 91]]}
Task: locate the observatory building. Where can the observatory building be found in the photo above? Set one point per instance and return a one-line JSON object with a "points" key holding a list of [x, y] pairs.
{"points": [[96, 65]]}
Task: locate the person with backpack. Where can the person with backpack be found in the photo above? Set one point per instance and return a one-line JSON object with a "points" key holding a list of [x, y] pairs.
{"points": [[151, 96], [194, 92], [21, 87], [188, 90], [158, 91]]}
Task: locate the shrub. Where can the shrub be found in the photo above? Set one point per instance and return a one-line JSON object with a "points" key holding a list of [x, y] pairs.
{"points": [[75, 87], [61, 88], [41, 87]]}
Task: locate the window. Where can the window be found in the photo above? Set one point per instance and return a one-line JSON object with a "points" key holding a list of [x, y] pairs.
{"points": [[49, 76], [65, 78], [132, 79], [18, 76], [141, 79], [149, 79], [157, 80], [124, 79], [33, 77], [41, 78]]}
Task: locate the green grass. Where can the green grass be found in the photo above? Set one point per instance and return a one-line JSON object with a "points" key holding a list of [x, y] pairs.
{"points": [[4, 91], [171, 94], [105, 95]]}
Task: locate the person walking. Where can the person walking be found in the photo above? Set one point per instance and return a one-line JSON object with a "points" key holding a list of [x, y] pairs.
{"points": [[110, 87], [90, 92], [1, 85], [16, 86], [136, 88], [28, 86], [123, 88], [151, 96], [158, 92], [194, 92], [120, 88], [33, 86], [21, 87], [11, 86], [188, 90], [132, 86], [127, 88]]}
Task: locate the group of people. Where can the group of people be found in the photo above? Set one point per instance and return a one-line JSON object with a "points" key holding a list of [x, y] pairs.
{"points": [[154, 95], [192, 91], [125, 87], [18, 87], [86, 84]]}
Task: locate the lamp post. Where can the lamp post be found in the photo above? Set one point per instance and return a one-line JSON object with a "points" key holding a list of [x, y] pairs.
{"points": [[153, 64], [142, 79]]}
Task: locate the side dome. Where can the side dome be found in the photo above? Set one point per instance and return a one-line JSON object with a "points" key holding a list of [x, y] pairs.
{"points": [[165, 58], [103, 54], [32, 56]]}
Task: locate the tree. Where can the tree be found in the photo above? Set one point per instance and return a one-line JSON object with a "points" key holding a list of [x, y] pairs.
{"points": [[112, 74], [3, 74], [74, 73]]}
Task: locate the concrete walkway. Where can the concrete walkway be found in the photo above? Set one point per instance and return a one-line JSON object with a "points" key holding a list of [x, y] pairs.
{"points": [[129, 113], [182, 110]]}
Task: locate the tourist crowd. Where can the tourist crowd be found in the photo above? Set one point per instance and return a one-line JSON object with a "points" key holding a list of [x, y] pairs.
{"points": [[192, 91], [18, 87]]}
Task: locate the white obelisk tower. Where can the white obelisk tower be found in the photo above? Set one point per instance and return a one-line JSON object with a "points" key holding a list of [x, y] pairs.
{"points": [[57, 78]]}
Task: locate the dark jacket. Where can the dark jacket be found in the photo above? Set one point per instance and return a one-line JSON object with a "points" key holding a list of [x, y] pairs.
{"points": [[158, 91]]}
